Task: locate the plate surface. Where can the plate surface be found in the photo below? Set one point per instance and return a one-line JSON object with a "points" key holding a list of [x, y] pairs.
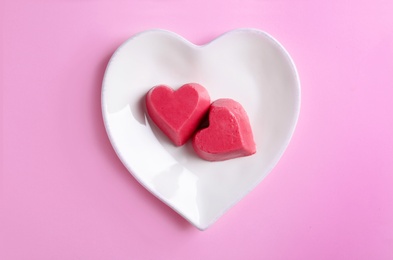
{"points": [[246, 65]]}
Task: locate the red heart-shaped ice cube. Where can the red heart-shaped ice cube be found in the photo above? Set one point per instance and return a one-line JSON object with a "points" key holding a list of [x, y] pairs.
{"points": [[178, 113], [228, 135]]}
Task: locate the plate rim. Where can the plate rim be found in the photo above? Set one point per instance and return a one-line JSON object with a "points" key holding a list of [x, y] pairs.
{"points": [[279, 154]]}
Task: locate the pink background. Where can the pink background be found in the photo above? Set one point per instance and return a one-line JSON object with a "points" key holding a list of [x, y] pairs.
{"points": [[65, 194]]}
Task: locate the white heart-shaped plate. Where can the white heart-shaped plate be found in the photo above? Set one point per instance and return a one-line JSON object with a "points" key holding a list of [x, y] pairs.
{"points": [[246, 65]]}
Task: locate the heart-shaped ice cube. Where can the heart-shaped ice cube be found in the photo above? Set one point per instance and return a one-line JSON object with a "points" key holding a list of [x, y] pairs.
{"points": [[179, 112], [228, 134]]}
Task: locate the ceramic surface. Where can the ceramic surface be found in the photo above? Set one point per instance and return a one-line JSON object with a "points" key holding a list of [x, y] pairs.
{"points": [[246, 65]]}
